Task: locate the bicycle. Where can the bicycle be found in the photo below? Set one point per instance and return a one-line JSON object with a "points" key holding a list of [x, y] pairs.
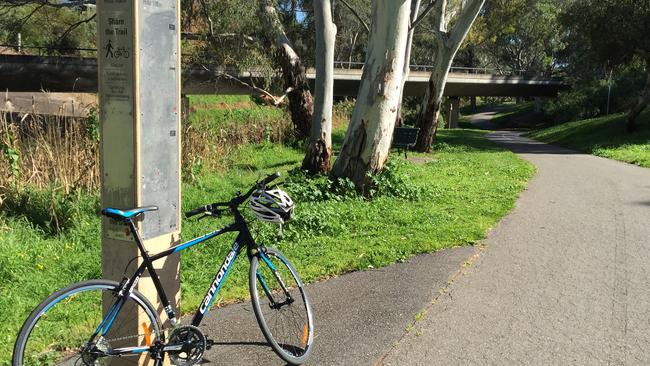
{"points": [[106, 332]]}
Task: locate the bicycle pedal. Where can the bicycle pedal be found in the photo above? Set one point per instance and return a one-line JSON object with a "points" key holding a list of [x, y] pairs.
{"points": [[209, 343]]}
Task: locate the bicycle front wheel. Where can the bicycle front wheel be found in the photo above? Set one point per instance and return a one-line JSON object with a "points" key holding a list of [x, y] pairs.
{"points": [[281, 305], [60, 330]]}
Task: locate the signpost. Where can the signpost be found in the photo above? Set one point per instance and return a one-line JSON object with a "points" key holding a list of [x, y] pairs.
{"points": [[139, 112]]}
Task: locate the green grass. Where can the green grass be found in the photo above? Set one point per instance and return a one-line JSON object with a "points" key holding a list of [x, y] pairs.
{"points": [[220, 111], [604, 136], [467, 187]]}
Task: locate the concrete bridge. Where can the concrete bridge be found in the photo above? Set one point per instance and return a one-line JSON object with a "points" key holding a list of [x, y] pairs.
{"points": [[67, 74]]}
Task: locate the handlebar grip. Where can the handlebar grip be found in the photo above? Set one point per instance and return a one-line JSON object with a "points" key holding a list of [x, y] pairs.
{"points": [[270, 178], [197, 211]]}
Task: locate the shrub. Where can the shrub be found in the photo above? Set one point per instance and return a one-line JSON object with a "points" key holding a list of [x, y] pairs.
{"points": [[51, 210], [392, 181], [590, 100]]}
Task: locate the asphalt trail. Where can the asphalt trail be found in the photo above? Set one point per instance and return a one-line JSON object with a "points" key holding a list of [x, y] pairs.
{"points": [[565, 278], [358, 316]]}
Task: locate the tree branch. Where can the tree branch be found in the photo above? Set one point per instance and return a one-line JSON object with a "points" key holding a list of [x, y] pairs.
{"points": [[440, 26], [53, 4], [72, 27], [356, 15], [206, 14], [421, 17], [465, 20], [201, 36], [276, 101]]}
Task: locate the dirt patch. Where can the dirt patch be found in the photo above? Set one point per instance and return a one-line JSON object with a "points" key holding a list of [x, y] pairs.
{"points": [[418, 160]]}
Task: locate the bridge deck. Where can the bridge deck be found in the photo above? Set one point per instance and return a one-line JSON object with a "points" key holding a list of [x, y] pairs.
{"points": [[65, 74]]}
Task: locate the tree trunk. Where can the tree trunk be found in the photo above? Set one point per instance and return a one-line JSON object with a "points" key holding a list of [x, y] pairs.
{"points": [[368, 139], [319, 153], [415, 7], [644, 100], [448, 43], [432, 103], [293, 73]]}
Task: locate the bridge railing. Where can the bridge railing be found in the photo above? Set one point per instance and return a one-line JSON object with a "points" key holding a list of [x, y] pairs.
{"points": [[453, 69]]}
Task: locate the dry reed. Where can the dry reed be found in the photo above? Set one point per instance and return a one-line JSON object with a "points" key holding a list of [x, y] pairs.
{"points": [[48, 151], [62, 153]]}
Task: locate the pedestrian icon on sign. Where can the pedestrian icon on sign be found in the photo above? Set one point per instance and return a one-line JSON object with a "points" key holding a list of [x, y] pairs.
{"points": [[109, 49]]}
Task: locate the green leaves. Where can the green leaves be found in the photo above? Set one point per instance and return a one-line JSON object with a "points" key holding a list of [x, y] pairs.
{"points": [[11, 153]]}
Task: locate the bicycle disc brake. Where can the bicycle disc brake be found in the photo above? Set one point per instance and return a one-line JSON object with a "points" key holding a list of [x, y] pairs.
{"points": [[189, 343]]}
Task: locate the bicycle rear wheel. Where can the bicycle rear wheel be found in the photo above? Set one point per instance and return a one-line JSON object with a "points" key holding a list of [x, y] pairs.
{"points": [[59, 330], [281, 306]]}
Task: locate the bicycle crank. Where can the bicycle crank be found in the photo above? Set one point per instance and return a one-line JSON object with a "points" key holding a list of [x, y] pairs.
{"points": [[186, 345]]}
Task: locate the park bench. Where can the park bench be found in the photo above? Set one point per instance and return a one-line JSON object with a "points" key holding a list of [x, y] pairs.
{"points": [[405, 138]]}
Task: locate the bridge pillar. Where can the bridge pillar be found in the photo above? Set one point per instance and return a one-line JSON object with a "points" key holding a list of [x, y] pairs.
{"points": [[453, 113], [139, 113]]}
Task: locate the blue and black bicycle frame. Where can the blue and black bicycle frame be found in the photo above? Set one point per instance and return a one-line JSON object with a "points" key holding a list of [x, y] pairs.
{"points": [[243, 240]]}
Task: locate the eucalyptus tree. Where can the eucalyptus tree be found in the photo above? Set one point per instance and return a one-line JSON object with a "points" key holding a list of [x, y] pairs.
{"points": [[368, 138], [319, 152], [293, 72], [448, 38]]}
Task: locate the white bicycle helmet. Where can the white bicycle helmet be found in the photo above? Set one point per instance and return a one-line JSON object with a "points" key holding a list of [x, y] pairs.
{"points": [[272, 205]]}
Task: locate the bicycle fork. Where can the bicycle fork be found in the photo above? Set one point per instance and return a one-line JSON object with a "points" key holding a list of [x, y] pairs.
{"points": [[272, 303]]}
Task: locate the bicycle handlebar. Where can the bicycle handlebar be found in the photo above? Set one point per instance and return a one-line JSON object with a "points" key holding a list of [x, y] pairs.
{"points": [[238, 200], [269, 179]]}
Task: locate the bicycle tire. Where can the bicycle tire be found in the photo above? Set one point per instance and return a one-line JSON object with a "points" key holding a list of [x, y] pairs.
{"points": [[81, 298], [294, 346]]}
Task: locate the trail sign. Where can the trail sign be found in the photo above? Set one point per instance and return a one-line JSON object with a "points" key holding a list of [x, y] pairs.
{"points": [[139, 113]]}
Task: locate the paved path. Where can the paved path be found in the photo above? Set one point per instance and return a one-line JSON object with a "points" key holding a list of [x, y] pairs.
{"points": [[358, 316], [565, 279], [483, 120]]}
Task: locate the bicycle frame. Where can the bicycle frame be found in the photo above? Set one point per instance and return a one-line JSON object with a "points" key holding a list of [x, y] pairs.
{"points": [[244, 239]]}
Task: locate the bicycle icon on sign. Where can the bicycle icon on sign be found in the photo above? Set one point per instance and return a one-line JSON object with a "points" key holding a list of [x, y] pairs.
{"points": [[122, 52], [116, 53]]}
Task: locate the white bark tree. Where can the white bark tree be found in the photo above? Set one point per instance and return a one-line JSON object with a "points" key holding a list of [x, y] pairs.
{"points": [[415, 9], [367, 141], [447, 44], [301, 103], [319, 152]]}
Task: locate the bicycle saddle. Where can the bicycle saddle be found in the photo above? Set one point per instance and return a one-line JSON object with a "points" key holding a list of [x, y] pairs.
{"points": [[123, 215]]}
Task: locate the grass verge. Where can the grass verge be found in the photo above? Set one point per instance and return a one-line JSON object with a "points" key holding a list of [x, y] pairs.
{"points": [[604, 136], [465, 187]]}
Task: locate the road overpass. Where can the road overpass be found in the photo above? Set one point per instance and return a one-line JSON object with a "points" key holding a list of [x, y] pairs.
{"points": [[67, 74]]}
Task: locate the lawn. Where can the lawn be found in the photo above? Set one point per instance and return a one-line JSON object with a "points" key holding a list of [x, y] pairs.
{"points": [[465, 188], [604, 136]]}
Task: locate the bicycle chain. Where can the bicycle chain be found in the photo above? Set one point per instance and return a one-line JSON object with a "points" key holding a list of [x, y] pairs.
{"points": [[123, 338]]}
